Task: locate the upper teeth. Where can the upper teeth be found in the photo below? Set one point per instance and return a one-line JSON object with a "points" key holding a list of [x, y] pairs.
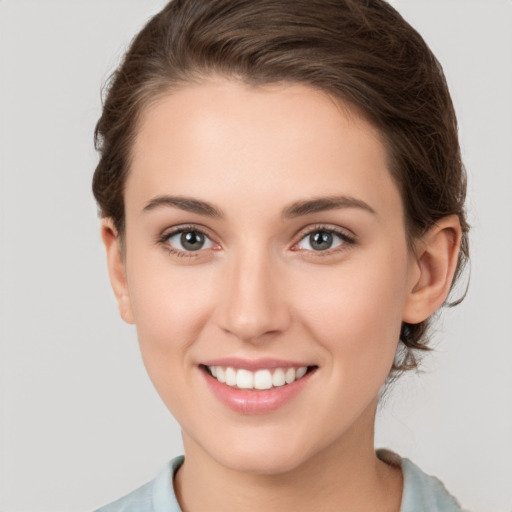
{"points": [[260, 379]]}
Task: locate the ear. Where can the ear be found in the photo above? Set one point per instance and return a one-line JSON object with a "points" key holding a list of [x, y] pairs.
{"points": [[436, 255], [117, 269]]}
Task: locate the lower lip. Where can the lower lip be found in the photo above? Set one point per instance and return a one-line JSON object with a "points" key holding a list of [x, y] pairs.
{"points": [[255, 401]]}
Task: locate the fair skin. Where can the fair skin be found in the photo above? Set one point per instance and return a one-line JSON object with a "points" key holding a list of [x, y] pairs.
{"points": [[255, 286]]}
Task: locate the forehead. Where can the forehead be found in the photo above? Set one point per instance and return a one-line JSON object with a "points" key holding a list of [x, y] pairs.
{"points": [[228, 140]]}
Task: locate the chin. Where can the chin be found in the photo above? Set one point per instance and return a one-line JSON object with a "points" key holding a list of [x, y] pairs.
{"points": [[262, 454], [263, 463]]}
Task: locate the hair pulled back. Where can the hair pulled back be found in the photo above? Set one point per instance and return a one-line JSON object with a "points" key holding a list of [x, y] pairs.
{"points": [[359, 51]]}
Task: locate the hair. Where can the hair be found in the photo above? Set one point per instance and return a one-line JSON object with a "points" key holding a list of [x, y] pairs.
{"points": [[361, 52]]}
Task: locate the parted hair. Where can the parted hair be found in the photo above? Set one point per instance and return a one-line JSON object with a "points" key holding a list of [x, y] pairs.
{"points": [[361, 52]]}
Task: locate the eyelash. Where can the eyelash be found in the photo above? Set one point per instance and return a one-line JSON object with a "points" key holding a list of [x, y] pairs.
{"points": [[346, 240], [164, 241]]}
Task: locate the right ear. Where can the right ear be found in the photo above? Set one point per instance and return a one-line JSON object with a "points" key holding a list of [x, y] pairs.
{"points": [[117, 269]]}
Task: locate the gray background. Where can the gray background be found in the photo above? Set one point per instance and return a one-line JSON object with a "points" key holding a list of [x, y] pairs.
{"points": [[80, 422]]}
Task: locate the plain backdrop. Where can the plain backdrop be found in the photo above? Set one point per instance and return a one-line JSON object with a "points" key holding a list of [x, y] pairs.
{"points": [[80, 422]]}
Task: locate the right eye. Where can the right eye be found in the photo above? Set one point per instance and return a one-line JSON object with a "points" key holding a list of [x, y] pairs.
{"points": [[186, 240]]}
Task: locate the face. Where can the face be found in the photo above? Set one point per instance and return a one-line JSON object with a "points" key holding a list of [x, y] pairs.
{"points": [[265, 247]]}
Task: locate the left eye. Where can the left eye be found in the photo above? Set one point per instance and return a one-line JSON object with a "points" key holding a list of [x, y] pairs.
{"points": [[189, 240], [321, 240]]}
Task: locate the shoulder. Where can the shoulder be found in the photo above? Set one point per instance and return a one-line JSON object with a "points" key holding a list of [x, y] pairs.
{"points": [[422, 492], [155, 496]]}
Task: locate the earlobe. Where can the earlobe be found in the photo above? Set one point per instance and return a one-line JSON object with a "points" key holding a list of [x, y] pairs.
{"points": [[116, 269], [437, 254]]}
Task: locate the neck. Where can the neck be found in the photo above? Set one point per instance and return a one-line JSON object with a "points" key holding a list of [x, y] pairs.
{"points": [[344, 477]]}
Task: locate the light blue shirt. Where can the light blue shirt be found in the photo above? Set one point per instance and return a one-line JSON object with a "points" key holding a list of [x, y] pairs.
{"points": [[421, 493]]}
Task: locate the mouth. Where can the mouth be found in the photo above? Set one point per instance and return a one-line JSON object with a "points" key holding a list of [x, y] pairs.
{"points": [[257, 380], [256, 387]]}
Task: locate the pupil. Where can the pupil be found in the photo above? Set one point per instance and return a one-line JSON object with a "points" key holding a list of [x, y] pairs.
{"points": [[192, 240], [321, 240]]}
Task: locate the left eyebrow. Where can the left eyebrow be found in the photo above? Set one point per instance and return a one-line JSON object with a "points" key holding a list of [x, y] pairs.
{"points": [[320, 204]]}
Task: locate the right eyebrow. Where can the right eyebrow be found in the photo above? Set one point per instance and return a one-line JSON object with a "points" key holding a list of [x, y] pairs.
{"points": [[187, 204]]}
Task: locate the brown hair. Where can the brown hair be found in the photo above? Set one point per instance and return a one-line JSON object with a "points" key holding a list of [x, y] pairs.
{"points": [[360, 51]]}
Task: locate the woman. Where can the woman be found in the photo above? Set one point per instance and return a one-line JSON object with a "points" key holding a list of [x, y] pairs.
{"points": [[283, 210]]}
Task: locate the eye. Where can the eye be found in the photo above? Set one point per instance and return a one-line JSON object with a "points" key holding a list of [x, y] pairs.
{"points": [[323, 239], [185, 240]]}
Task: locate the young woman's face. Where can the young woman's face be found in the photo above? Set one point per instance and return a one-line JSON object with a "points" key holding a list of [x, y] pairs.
{"points": [[264, 238]]}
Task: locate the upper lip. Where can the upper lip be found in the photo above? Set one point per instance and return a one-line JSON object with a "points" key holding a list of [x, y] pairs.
{"points": [[254, 364]]}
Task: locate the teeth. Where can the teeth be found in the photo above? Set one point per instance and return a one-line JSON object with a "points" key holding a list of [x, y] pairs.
{"points": [[220, 373], [301, 372], [278, 378], [289, 376], [244, 379], [261, 379], [230, 377]]}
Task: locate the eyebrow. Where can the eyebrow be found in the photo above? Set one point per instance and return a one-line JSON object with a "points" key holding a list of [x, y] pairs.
{"points": [[321, 204], [187, 204], [296, 209]]}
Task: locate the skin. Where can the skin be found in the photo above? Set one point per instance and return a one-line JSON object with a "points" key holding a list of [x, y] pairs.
{"points": [[259, 289]]}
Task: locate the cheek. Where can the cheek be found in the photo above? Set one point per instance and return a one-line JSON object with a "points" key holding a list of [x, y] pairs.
{"points": [[170, 306], [355, 312]]}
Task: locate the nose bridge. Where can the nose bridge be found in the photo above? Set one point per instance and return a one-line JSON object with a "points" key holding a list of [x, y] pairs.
{"points": [[254, 297]]}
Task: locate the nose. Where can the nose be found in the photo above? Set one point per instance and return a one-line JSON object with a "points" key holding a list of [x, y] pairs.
{"points": [[254, 305]]}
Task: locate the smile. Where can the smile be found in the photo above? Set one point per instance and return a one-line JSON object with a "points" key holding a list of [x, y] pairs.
{"points": [[257, 380], [256, 387]]}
